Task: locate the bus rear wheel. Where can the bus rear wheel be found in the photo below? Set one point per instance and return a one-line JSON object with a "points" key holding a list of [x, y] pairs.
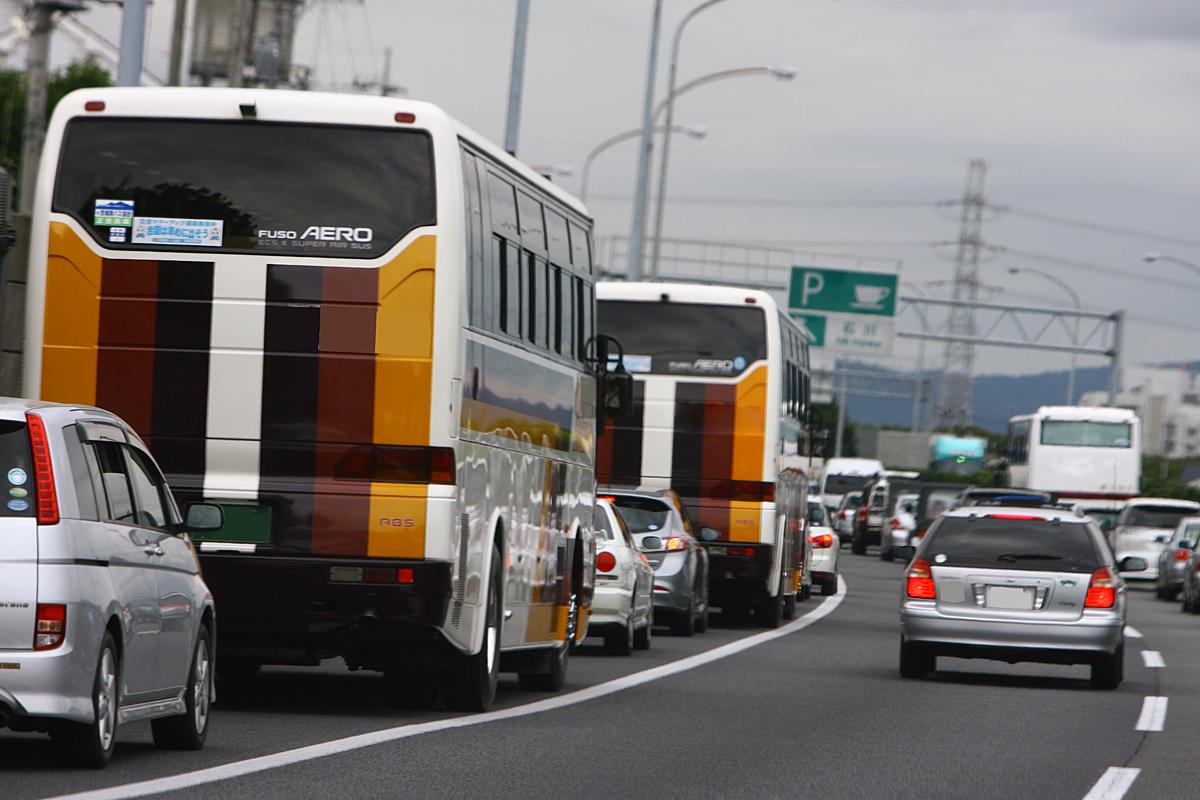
{"points": [[470, 684]]}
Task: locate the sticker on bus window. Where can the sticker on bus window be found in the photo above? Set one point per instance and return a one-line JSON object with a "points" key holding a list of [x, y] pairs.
{"points": [[109, 213], [179, 232], [118, 234]]}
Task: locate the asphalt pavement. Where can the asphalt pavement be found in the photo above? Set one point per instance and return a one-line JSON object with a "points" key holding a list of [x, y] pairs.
{"points": [[814, 709]]}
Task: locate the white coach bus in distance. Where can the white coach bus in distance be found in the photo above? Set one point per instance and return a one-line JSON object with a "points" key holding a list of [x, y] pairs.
{"points": [[1084, 453], [364, 331]]}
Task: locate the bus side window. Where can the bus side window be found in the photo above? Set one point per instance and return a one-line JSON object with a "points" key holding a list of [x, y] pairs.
{"points": [[581, 250], [556, 231], [512, 277], [583, 316], [533, 225], [531, 297], [475, 254], [566, 316], [551, 305], [502, 204]]}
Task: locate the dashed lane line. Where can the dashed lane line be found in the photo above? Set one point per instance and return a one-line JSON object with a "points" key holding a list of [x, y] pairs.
{"points": [[236, 769], [1154, 714], [1113, 784], [1153, 659], [1132, 632]]}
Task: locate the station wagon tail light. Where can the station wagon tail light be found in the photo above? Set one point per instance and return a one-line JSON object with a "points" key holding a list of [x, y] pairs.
{"points": [[1102, 590], [676, 543], [821, 540], [1182, 555], [43, 471], [920, 580], [606, 561], [51, 626]]}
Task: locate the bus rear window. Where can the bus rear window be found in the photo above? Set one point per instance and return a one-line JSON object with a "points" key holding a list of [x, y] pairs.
{"points": [[1081, 433], [245, 186], [685, 338]]}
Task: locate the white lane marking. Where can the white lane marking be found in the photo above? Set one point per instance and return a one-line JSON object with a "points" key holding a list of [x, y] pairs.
{"points": [[1132, 632], [1153, 659], [1154, 714], [1113, 784], [249, 766]]}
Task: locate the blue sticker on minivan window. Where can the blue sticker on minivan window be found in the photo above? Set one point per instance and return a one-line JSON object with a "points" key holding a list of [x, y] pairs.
{"points": [[18, 505], [17, 476]]}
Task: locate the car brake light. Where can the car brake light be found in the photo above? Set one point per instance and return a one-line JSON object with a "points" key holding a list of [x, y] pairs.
{"points": [[43, 471], [897, 524], [862, 513], [1022, 517], [676, 543], [606, 561], [610, 498], [920, 580], [1182, 555], [1102, 590], [821, 540], [51, 627]]}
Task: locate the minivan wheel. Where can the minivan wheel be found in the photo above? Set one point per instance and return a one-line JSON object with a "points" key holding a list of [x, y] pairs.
{"points": [[470, 685], [91, 744], [916, 660], [188, 731], [1109, 670]]}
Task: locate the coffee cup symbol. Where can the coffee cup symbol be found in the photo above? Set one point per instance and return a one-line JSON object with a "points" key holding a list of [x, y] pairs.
{"points": [[871, 297]]}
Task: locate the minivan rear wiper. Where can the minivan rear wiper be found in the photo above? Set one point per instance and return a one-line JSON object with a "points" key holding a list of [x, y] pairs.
{"points": [[1011, 557]]}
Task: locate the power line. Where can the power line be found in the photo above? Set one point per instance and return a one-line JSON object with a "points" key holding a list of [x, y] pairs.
{"points": [[1097, 227], [1096, 268], [794, 202]]}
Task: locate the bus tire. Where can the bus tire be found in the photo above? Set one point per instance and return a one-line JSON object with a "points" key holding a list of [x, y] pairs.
{"points": [[770, 613], [789, 606], [553, 679], [470, 684]]}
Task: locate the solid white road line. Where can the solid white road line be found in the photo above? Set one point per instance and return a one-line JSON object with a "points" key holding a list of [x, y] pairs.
{"points": [[1113, 784], [1153, 659], [1154, 714], [1132, 632], [249, 766]]}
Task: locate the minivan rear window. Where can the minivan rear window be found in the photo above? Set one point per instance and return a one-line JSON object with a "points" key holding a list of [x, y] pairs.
{"points": [[1154, 516], [997, 543], [16, 467]]}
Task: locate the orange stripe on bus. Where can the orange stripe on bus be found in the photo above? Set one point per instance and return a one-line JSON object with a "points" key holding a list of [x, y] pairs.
{"points": [[749, 430], [72, 319]]}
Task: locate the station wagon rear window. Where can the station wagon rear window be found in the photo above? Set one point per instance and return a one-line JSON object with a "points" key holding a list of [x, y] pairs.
{"points": [[245, 186], [996, 543], [685, 338], [16, 470], [643, 514]]}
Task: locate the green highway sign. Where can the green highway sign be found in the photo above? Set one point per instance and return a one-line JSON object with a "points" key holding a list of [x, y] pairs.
{"points": [[814, 325], [842, 291]]}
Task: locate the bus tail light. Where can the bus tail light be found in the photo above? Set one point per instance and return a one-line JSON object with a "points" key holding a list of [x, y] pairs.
{"points": [[920, 580], [1102, 590], [43, 471], [606, 561], [94, 105], [51, 627], [405, 117], [396, 464], [740, 552]]}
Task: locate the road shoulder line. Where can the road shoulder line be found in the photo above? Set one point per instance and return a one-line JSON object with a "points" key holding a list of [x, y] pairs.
{"points": [[1113, 784], [1154, 714]]}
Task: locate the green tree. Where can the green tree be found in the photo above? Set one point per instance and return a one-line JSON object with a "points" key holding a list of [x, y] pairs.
{"points": [[82, 73]]}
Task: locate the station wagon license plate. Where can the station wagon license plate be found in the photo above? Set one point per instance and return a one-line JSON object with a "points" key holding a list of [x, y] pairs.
{"points": [[1014, 597]]}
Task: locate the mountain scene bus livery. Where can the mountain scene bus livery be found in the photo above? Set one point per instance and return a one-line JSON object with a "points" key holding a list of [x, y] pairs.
{"points": [[720, 398], [361, 329], [1084, 453]]}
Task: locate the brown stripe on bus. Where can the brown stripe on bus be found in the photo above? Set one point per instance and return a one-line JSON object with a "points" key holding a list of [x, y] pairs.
{"points": [[125, 357]]}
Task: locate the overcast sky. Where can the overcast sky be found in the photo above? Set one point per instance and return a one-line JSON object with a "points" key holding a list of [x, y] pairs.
{"points": [[1082, 109]]}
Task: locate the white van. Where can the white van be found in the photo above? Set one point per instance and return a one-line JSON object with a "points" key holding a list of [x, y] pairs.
{"points": [[844, 475]]}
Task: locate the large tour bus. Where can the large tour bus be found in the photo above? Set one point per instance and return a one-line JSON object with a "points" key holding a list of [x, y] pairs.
{"points": [[363, 330], [1084, 453], [721, 388]]}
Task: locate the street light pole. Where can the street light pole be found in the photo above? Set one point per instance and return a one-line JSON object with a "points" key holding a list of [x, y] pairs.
{"points": [[1150, 258], [694, 131], [133, 41], [637, 230], [1066, 287], [516, 79]]}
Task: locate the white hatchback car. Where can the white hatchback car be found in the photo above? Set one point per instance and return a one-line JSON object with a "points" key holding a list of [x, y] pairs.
{"points": [[623, 606], [104, 618], [825, 545]]}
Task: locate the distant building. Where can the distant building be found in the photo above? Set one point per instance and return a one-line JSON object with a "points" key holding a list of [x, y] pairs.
{"points": [[1167, 399]]}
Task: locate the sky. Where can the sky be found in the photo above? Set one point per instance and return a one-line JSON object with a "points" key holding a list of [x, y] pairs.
{"points": [[1084, 111]]}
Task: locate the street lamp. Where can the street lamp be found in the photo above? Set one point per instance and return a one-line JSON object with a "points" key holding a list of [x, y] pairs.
{"points": [[551, 170], [1150, 258], [1066, 287], [782, 73], [694, 131]]}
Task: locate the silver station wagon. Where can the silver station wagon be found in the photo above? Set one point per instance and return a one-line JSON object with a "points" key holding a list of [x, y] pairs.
{"points": [[1014, 584], [104, 618]]}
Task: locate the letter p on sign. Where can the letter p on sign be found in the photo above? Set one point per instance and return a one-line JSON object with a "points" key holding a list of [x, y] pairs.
{"points": [[814, 283]]}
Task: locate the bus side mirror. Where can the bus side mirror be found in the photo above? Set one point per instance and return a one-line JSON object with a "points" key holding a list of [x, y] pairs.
{"points": [[614, 384], [618, 393]]}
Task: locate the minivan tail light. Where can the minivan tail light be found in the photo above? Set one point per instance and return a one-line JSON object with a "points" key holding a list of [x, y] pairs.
{"points": [[43, 471], [920, 580], [1102, 590], [51, 627]]}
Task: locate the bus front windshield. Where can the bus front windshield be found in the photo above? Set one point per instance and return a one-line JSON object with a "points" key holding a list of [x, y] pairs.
{"points": [[686, 338], [245, 186]]}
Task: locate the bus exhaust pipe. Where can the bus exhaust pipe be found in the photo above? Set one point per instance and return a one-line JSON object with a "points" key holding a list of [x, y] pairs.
{"points": [[368, 619]]}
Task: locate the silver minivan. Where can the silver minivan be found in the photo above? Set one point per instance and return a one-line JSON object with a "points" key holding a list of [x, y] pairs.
{"points": [[104, 617]]}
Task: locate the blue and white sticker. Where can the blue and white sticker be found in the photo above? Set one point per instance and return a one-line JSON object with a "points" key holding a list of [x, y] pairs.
{"points": [[739, 363], [941, 558], [18, 505], [110, 213], [118, 234], [632, 363], [17, 476], [179, 232]]}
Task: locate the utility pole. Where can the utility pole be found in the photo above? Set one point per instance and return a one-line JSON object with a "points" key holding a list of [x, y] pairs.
{"points": [[239, 36], [37, 80], [178, 27], [637, 231], [385, 80], [516, 79], [133, 42], [958, 370], [840, 435]]}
